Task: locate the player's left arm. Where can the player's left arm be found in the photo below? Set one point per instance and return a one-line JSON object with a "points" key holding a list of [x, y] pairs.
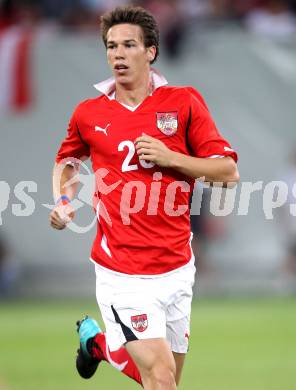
{"points": [[223, 169]]}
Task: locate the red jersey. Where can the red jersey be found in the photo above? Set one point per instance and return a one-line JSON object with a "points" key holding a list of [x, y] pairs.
{"points": [[144, 217]]}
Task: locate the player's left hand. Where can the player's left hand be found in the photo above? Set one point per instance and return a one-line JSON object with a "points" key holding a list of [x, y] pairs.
{"points": [[152, 149]]}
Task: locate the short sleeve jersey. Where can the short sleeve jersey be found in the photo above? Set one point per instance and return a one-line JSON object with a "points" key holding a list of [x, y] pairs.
{"points": [[143, 210]]}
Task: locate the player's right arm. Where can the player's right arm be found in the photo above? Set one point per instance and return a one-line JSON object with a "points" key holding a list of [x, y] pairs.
{"points": [[66, 173], [65, 182]]}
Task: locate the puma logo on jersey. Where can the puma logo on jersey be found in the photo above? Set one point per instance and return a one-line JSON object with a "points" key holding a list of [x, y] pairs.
{"points": [[103, 130]]}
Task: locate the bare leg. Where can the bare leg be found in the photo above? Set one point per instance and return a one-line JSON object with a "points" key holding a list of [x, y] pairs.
{"points": [[155, 362], [179, 360]]}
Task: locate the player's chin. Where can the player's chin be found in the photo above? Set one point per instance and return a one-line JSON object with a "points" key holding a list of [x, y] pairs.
{"points": [[122, 80]]}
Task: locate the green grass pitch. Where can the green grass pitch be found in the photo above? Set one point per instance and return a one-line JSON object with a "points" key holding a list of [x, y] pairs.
{"points": [[235, 345]]}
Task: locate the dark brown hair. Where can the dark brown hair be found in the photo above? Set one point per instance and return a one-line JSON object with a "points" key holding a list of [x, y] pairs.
{"points": [[133, 15]]}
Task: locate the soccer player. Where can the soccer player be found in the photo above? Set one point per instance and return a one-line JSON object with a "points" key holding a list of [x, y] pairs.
{"points": [[148, 142]]}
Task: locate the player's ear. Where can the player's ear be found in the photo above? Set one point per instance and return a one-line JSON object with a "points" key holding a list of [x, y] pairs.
{"points": [[151, 51]]}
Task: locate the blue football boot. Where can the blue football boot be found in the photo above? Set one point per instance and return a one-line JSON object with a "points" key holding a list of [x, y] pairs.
{"points": [[86, 364]]}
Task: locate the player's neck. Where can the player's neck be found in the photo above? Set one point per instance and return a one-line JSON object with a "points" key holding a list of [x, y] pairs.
{"points": [[133, 95]]}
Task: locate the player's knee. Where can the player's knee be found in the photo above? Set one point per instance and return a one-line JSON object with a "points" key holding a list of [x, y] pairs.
{"points": [[162, 376], [165, 379]]}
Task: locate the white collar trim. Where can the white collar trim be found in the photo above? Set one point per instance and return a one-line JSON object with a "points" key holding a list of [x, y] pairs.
{"points": [[107, 87]]}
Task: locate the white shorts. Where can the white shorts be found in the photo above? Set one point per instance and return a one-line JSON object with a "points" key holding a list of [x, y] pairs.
{"points": [[136, 307]]}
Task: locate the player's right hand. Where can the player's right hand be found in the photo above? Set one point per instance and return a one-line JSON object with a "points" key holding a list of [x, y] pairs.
{"points": [[61, 215]]}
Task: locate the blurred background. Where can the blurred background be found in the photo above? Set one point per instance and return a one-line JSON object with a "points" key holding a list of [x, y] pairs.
{"points": [[241, 55]]}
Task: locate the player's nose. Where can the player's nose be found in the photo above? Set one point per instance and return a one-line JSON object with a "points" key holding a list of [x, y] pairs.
{"points": [[119, 54]]}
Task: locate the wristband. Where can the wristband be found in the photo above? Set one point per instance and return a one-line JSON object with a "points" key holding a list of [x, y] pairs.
{"points": [[63, 199]]}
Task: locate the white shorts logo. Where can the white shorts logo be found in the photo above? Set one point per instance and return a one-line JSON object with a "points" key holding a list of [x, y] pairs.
{"points": [[140, 322]]}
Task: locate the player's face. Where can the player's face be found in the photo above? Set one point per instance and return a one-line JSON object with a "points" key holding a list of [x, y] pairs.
{"points": [[126, 53]]}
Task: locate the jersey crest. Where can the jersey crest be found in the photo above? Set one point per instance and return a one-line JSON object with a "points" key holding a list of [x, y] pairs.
{"points": [[167, 122], [140, 323]]}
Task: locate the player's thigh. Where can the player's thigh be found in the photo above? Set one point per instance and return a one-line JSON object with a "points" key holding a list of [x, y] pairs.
{"points": [[152, 355], [179, 361]]}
